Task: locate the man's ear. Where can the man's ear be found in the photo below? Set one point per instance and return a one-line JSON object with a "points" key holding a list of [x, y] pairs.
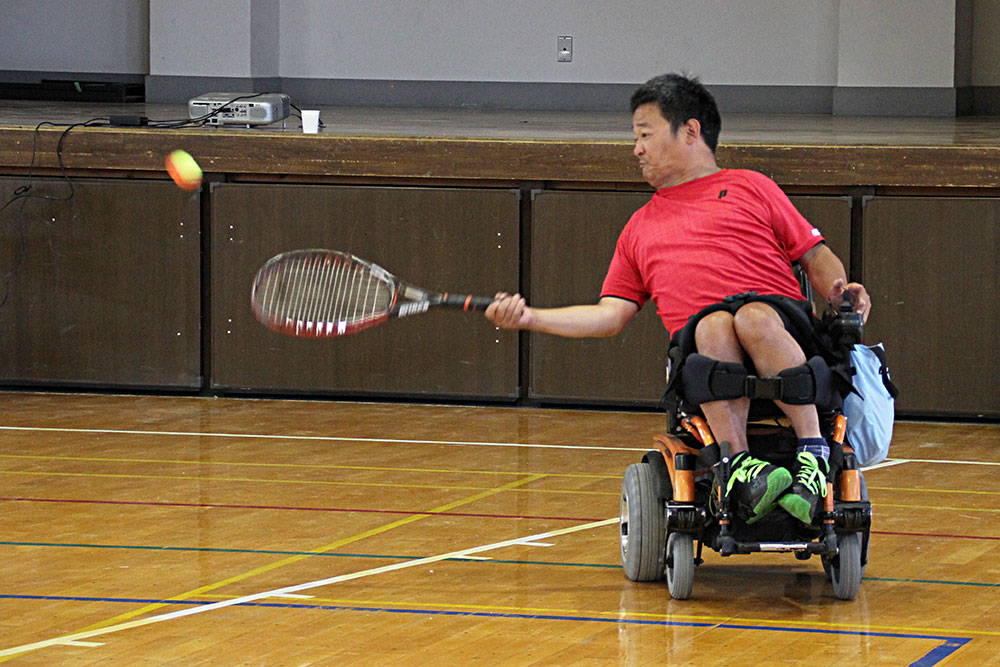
{"points": [[692, 130]]}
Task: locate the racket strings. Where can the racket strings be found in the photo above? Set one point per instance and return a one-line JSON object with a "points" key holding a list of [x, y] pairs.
{"points": [[320, 292]]}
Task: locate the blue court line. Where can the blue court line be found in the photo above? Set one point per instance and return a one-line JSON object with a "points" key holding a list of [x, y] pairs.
{"points": [[943, 582], [947, 647], [940, 582]]}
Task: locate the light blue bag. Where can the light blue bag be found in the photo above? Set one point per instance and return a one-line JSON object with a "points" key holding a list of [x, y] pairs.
{"points": [[870, 416]]}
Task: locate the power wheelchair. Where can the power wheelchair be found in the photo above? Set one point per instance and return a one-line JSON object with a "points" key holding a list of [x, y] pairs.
{"points": [[672, 502]]}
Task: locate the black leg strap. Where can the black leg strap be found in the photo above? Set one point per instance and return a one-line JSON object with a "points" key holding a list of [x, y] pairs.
{"points": [[812, 382], [706, 380]]}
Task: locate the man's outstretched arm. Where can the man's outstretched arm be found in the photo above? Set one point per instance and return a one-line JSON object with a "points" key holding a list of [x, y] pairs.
{"points": [[608, 317]]}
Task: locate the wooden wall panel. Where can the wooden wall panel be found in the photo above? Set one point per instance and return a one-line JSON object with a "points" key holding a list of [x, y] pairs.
{"points": [[445, 239], [931, 267], [108, 290], [573, 238]]}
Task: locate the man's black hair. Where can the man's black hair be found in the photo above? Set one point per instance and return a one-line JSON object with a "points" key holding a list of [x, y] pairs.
{"points": [[681, 98]]}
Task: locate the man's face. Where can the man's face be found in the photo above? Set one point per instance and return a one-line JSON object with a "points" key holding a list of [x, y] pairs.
{"points": [[662, 153]]}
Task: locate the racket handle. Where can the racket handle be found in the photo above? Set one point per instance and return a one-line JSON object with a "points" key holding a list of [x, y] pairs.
{"points": [[467, 301]]}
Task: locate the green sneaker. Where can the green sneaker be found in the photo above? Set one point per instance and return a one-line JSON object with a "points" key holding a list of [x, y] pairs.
{"points": [[810, 485], [757, 485]]}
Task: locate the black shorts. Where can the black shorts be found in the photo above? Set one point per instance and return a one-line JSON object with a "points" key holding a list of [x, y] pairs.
{"points": [[795, 314]]}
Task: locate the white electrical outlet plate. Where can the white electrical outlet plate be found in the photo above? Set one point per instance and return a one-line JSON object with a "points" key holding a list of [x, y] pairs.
{"points": [[564, 49]]}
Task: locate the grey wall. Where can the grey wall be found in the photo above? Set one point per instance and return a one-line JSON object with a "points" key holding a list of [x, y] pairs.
{"points": [[59, 36], [831, 53], [515, 40]]}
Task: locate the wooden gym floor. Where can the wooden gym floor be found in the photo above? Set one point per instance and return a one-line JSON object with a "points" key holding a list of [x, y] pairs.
{"points": [[183, 530]]}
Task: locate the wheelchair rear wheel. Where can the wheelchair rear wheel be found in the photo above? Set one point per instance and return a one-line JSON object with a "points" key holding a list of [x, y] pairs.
{"points": [[641, 523], [680, 565], [661, 474]]}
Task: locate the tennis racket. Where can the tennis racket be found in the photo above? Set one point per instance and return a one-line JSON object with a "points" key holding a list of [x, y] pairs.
{"points": [[327, 293]]}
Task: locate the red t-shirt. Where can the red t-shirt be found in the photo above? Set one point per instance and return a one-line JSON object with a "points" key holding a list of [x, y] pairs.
{"points": [[696, 243]]}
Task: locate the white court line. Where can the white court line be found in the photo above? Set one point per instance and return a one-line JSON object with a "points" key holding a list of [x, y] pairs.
{"points": [[83, 644], [965, 463], [399, 441], [325, 438], [885, 464], [77, 637]]}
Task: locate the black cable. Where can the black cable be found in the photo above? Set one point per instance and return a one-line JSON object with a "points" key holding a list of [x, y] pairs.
{"points": [[23, 194], [25, 190]]}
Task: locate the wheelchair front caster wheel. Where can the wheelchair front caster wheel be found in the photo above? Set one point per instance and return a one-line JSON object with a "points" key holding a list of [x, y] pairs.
{"points": [[845, 568], [680, 565]]}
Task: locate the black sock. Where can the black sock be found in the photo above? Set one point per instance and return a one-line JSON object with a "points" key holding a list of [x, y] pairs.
{"points": [[818, 447]]}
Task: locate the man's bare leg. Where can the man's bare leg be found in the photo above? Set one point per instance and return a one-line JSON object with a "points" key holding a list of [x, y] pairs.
{"points": [[762, 334], [755, 486], [716, 337]]}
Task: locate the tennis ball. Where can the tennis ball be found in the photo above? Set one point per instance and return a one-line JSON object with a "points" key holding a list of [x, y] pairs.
{"points": [[184, 170]]}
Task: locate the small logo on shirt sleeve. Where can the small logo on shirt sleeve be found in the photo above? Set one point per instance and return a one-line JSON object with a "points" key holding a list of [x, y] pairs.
{"points": [[722, 193], [815, 232]]}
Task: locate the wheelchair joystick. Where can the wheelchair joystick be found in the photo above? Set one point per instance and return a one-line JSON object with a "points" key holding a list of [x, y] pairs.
{"points": [[848, 326]]}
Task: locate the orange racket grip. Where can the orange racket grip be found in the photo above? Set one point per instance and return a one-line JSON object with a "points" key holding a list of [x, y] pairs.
{"points": [[466, 301], [850, 486]]}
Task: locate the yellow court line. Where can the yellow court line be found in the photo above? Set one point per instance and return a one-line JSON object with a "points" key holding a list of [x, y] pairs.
{"points": [[86, 634], [328, 547], [99, 628], [317, 466], [325, 482], [190, 478], [947, 461], [903, 488], [444, 471], [940, 507]]}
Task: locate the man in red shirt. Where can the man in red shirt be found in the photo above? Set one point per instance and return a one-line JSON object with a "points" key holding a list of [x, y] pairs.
{"points": [[708, 233]]}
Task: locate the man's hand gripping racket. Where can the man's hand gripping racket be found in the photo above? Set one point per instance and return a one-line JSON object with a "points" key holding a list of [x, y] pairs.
{"points": [[327, 293]]}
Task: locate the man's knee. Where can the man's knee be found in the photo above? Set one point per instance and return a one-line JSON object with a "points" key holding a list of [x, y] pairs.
{"points": [[715, 333], [757, 321]]}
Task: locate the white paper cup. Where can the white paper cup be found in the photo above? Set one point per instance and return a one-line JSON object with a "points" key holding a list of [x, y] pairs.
{"points": [[310, 121]]}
